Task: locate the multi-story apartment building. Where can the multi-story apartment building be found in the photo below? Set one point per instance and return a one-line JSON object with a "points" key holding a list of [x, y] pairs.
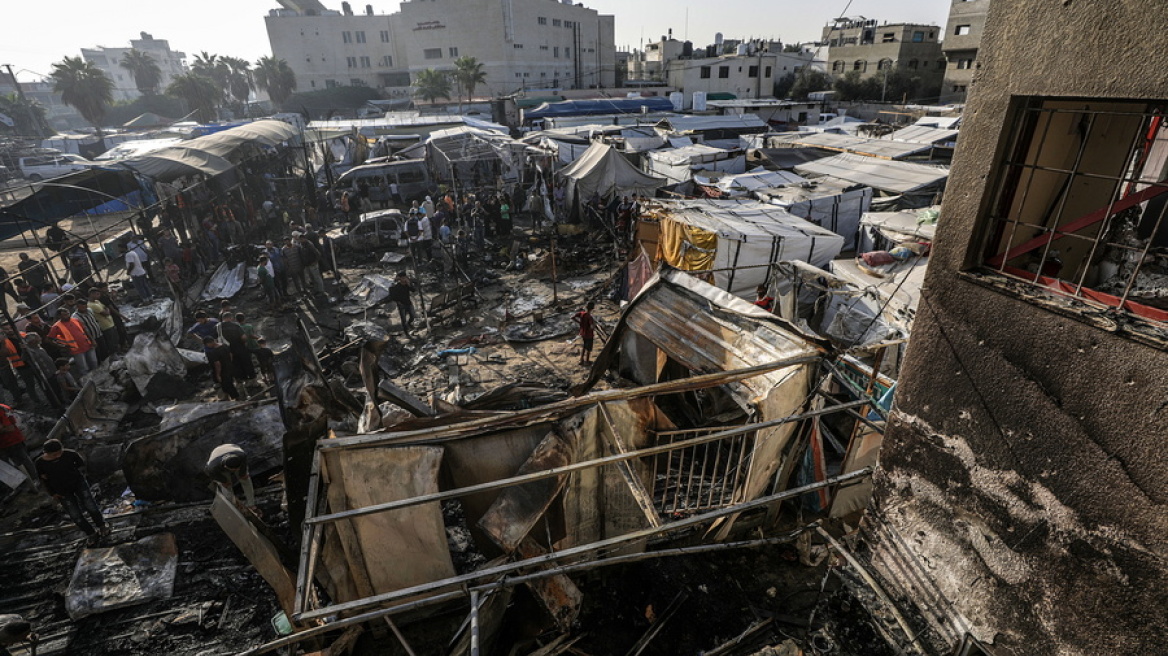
{"points": [[858, 44], [967, 19], [522, 44], [170, 62], [751, 74]]}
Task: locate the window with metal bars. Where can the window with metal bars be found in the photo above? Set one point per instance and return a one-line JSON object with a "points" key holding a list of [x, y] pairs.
{"points": [[1079, 206]]}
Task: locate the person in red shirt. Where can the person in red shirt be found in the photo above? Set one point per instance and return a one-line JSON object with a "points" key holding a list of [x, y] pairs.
{"points": [[764, 300], [12, 446], [587, 331]]}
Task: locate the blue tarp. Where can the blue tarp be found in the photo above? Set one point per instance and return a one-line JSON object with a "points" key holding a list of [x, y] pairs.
{"points": [[92, 191], [600, 106]]}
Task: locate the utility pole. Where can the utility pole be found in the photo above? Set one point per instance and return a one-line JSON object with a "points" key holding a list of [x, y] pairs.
{"points": [[20, 92]]}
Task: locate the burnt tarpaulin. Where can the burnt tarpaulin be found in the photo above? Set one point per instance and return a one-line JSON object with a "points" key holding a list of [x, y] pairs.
{"points": [[71, 195], [122, 575], [168, 465], [157, 368], [225, 282]]}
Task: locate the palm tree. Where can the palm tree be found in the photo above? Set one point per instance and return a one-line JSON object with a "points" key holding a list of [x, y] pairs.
{"points": [[147, 75], [276, 77], [26, 113], [431, 85], [214, 68], [239, 82], [84, 86], [201, 94], [469, 73]]}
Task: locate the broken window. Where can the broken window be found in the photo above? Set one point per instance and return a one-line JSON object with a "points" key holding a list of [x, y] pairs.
{"points": [[1079, 205], [961, 30]]}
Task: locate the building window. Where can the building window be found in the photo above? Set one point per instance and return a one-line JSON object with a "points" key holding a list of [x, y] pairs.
{"points": [[351, 61], [767, 73], [432, 53], [365, 63], [517, 46], [360, 37], [556, 22], [356, 82], [312, 83], [912, 63], [752, 72], [837, 66], [543, 20], [387, 61], [567, 53], [889, 37], [569, 24], [556, 51], [331, 84], [860, 65], [704, 72], [961, 30], [1079, 206], [543, 47], [959, 88], [963, 64], [884, 65], [723, 72], [918, 37], [385, 36], [347, 37], [453, 53]]}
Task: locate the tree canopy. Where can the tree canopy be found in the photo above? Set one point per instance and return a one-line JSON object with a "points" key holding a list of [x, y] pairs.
{"points": [[469, 73], [200, 93], [430, 85], [275, 77], [147, 74], [26, 113], [83, 86]]}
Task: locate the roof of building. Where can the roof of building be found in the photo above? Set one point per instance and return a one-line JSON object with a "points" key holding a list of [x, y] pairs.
{"points": [[688, 123], [882, 174], [923, 135], [882, 148]]}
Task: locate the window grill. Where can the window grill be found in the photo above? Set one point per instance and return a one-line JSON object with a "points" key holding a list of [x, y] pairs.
{"points": [[1080, 204]]}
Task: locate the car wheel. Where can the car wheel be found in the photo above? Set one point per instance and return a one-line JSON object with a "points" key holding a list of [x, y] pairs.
{"points": [[35, 177]]}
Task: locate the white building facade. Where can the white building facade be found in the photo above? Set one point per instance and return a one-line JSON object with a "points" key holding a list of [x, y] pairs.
{"points": [[171, 63], [522, 44]]}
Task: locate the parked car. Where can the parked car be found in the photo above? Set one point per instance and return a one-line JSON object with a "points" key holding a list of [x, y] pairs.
{"points": [[43, 167], [380, 230]]}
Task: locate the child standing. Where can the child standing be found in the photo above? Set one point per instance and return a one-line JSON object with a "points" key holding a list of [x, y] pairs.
{"points": [[587, 331]]}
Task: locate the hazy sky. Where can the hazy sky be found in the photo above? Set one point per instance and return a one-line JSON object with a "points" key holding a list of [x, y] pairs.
{"points": [[36, 33]]}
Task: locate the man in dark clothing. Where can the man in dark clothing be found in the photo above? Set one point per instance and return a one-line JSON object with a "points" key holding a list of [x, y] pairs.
{"points": [[33, 271], [222, 371], [401, 293], [236, 338], [227, 465], [63, 473], [56, 238], [204, 326]]}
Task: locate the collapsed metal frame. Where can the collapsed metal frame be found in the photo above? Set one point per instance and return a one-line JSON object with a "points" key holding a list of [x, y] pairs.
{"points": [[438, 591]]}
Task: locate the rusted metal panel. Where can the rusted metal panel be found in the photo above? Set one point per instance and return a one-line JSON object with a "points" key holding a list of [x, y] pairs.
{"points": [[259, 551], [517, 509], [557, 593]]}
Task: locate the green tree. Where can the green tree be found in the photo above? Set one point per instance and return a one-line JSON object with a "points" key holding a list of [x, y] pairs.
{"points": [[808, 81], [83, 86], [782, 86], [275, 76], [147, 74], [850, 86], [200, 93], [239, 78], [431, 85], [213, 68], [26, 113], [469, 73]]}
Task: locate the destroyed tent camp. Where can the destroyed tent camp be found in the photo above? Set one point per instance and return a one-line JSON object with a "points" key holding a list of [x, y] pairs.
{"points": [[212, 154], [677, 165], [736, 241], [92, 191], [468, 155], [602, 171], [730, 185], [834, 204], [602, 474]]}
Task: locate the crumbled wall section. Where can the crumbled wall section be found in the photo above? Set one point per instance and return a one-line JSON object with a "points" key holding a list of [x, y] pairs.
{"points": [[1024, 478]]}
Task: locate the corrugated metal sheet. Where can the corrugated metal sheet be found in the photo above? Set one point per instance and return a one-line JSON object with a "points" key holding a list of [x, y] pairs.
{"points": [[881, 148], [885, 175], [923, 134]]}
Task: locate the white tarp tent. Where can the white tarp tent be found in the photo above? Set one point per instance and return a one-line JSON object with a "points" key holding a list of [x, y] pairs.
{"points": [[743, 184], [884, 175], [601, 170], [734, 237], [677, 165], [826, 203]]}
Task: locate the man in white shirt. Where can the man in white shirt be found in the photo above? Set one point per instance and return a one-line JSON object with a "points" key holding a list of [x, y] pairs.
{"points": [[137, 273]]}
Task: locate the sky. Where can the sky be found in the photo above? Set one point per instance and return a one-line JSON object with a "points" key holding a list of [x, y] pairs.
{"points": [[36, 33]]}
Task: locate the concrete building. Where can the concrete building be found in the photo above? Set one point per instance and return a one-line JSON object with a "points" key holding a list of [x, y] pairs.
{"points": [[967, 19], [522, 44], [649, 65], [858, 44], [59, 115], [1019, 505], [170, 62], [745, 76]]}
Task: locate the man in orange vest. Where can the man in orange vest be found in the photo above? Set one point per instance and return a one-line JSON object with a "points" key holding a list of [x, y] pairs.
{"points": [[12, 446], [70, 334], [11, 348]]}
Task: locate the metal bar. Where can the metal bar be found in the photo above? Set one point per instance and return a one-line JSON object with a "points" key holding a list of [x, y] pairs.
{"points": [[710, 502], [601, 545], [516, 580], [512, 419], [587, 464], [310, 511], [474, 623], [402, 639], [643, 498], [1066, 194], [1143, 257], [1029, 183]]}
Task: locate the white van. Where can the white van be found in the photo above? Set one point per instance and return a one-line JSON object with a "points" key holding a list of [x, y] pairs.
{"points": [[411, 176], [43, 167]]}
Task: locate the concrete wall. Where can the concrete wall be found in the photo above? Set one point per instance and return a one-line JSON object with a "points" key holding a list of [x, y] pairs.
{"points": [[315, 48], [901, 50], [961, 49], [1023, 481]]}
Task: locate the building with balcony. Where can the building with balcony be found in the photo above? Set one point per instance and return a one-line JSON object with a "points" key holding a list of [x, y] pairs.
{"points": [[967, 19], [859, 44], [171, 63]]}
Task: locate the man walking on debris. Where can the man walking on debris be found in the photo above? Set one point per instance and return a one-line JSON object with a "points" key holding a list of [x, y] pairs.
{"points": [[222, 371], [236, 340], [136, 269], [63, 473], [227, 465], [401, 292], [587, 331]]}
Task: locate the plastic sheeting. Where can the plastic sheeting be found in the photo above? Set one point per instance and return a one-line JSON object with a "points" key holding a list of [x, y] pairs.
{"points": [[836, 208], [677, 165], [225, 282], [885, 175], [602, 170], [599, 106], [122, 575]]}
